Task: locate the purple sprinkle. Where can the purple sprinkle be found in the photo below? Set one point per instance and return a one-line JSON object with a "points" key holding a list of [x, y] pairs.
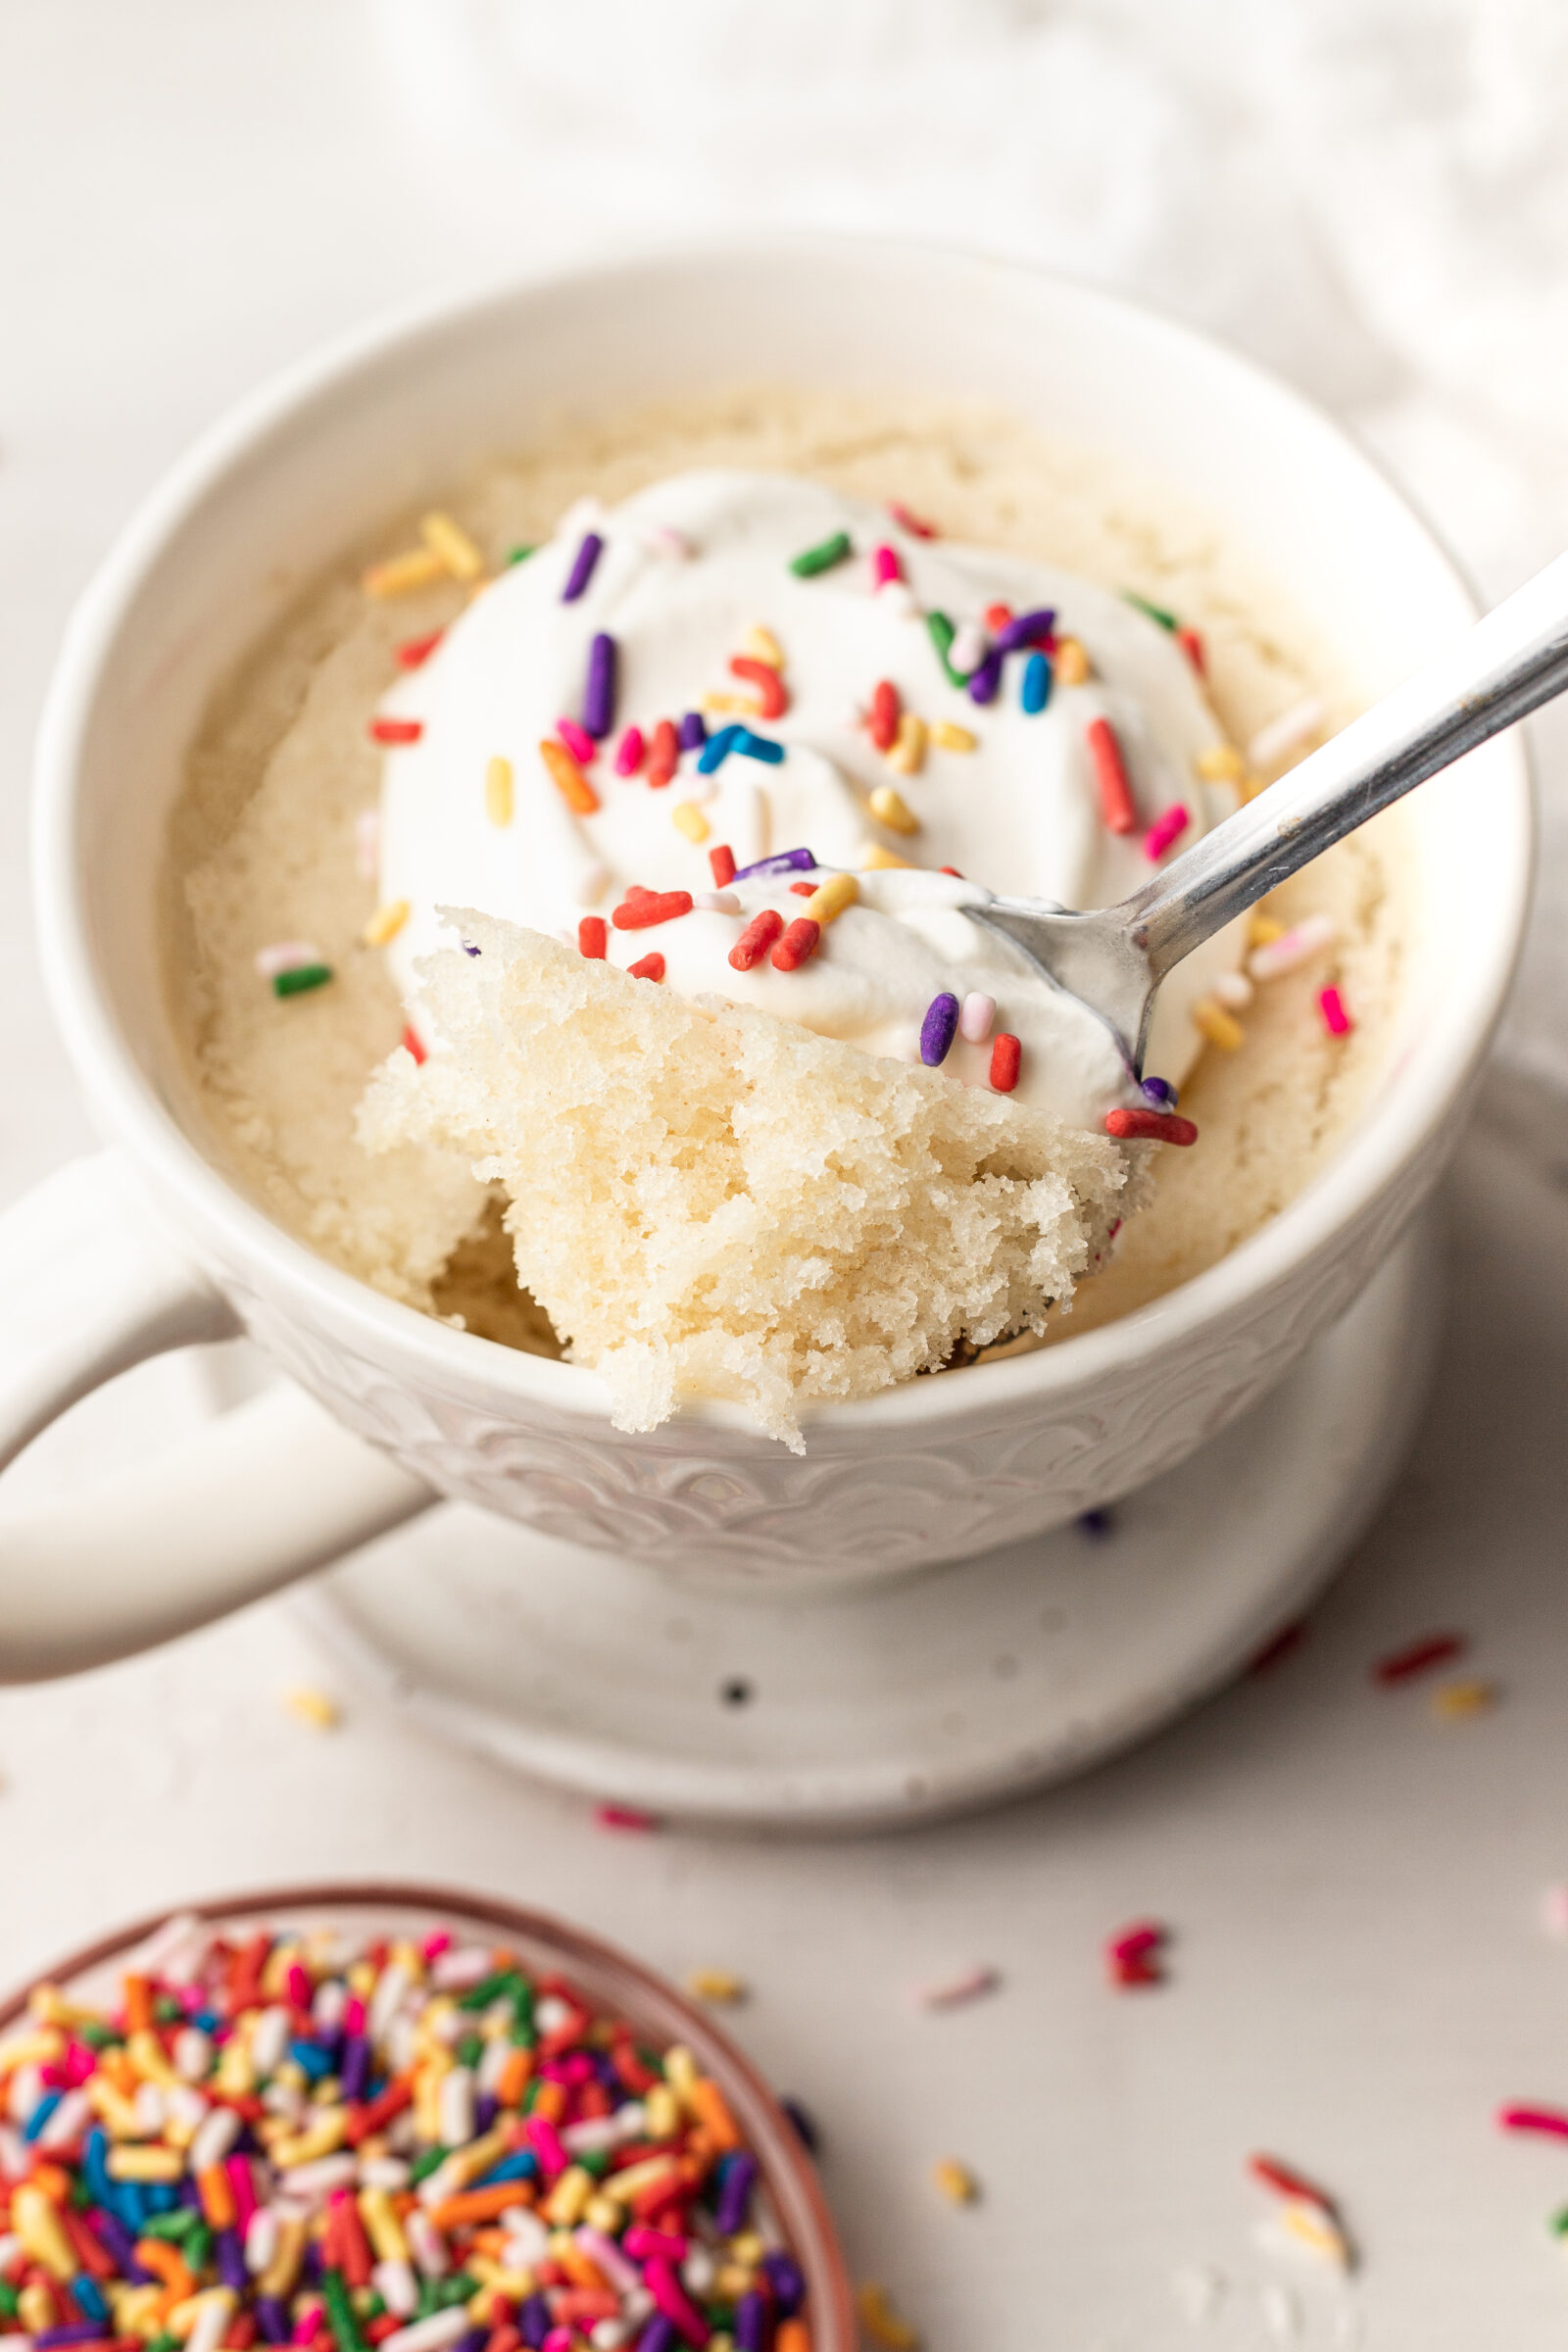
{"points": [[229, 2253], [356, 2070], [1024, 630], [534, 2321], [599, 695], [1095, 1525], [271, 2318], [75, 2331], [582, 566], [1160, 1091], [486, 2107], [735, 2193], [468, 948], [122, 2245], [787, 2279], [939, 1028], [787, 861], [805, 2129], [750, 2323], [311, 2266], [658, 2336], [474, 2341], [984, 681], [693, 731]]}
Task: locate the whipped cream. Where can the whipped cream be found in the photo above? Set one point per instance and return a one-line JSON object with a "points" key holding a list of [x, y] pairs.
{"points": [[687, 570]]}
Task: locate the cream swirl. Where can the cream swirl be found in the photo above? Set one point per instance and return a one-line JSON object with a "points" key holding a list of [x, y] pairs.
{"points": [[686, 570]]}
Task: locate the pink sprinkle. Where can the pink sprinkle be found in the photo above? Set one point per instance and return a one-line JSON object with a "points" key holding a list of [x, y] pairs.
{"points": [[299, 1990], [956, 1990], [646, 2244], [1133, 1942], [885, 566], [354, 2015], [544, 2141], [559, 2339], [1132, 1954], [311, 2315], [912, 523], [607, 2257], [1164, 830], [629, 753], [80, 2062], [1551, 2120], [1331, 1007], [286, 955], [367, 843], [625, 1816], [672, 2300], [578, 742], [435, 1945], [242, 2181]]}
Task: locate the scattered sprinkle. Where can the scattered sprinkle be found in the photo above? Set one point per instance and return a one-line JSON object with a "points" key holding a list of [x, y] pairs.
{"points": [[299, 978], [806, 2130], [386, 923], [722, 865], [1272, 2173], [908, 755], [975, 1017], [286, 955], [1282, 952], [665, 755], [589, 550], [1034, 688], [593, 937], [1018, 631], [415, 652], [1071, 662], [629, 752], [640, 909], [692, 732], [1234, 990], [882, 2322], [420, 567], [969, 648], [568, 779], [1149, 1127], [762, 645], [1331, 1013], [829, 899], [1135, 1955], [412, 1043], [886, 569], [941, 632], [1551, 2121], [1007, 1060], [954, 1992], [451, 542], [1306, 2229], [756, 940], [1160, 1091], [982, 682], [1220, 1028], [939, 1028], [1141, 604], [1118, 811], [798, 945], [822, 557], [395, 730], [891, 810], [1419, 1657], [950, 738], [1191, 644], [773, 695], [498, 789], [883, 718], [717, 901], [521, 554], [955, 2181], [689, 819], [718, 749], [911, 523], [1095, 1525], [316, 1707], [647, 967], [665, 540], [626, 1817], [599, 692], [1279, 1646], [1273, 744], [874, 858], [1221, 764], [367, 843], [782, 861], [716, 1985], [1453, 1701], [757, 747], [577, 740], [1165, 829]]}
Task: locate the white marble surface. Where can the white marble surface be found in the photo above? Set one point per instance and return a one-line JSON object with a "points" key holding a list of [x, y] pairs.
{"points": [[1370, 195]]}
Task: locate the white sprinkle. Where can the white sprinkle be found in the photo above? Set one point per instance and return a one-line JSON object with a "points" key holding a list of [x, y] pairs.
{"points": [[15, 2157], [696, 2271], [174, 1942], [330, 2002], [286, 955], [607, 2335], [1282, 2314], [455, 2105], [1287, 733], [896, 596], [528, 2239], [553, 2013], [367, 843], [68, 2120], [442, 2328], [316, 2180], [493, 2059], [664, 539], [975, 1017], [214, 2140], [260, 2239], [390, 1987], [968, 648], [385, 2172], [953, 1991], [213, 2312], [27, 2089], [426, 2244], [269, 2040], [717, 901], [1200, 2291], [192, 2053], [399, 2289], [1293, 947], [1233, 989], [184, 2105], [151, 2109]]}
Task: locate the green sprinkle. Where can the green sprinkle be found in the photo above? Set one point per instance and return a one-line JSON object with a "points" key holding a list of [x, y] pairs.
{"points": [[940, 631], [456, 2290], [163, 2343], [593, 2160], [367, 2303], [198, 2248], [9, 2300], [423, 2165], [471, 2050], [1558, 2224], [340, 2313], [173, 2226], [822, 557], [302, 976], [505, 1984], [96, 2037], [1166, 621], [166, 2011], [521, 554], [427, 2302]]}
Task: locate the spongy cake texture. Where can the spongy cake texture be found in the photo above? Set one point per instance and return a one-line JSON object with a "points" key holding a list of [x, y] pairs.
{"points": [[707, 1201]]}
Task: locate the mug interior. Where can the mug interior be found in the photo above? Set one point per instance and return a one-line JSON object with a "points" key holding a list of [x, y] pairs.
{"points": [[320, 461]]}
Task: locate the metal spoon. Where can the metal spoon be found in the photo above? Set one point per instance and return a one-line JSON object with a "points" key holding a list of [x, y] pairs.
{"points": [[1113, 959]]}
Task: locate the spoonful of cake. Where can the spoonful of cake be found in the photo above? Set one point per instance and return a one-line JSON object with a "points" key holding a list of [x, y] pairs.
{"points": [[1113, 959]]}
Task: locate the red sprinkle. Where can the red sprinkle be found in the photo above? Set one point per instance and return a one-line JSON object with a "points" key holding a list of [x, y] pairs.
{"points": [[1005, 1054], [998, 617], [1132, 1954], [1330, 1008], [765, 678], [798, 945], [1435, 1649], [665, 757], [414, 651], [722, 865], [1551, 2120], [1149, 1127], [593, 937], [803, 890], [641, 909], [396, 730], [756, 940], [1116, 809], [1278, 1648], [625, 1816], [950, 869], [1191, 644], [911, 523], [1288, 2182], [885, 713], [647, 967], [411, 1042]]}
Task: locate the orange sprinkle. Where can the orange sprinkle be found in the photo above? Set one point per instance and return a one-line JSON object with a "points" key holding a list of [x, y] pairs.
{"points": [[137, 1993], [712, 2110], [217, 2192], [568, 779]]}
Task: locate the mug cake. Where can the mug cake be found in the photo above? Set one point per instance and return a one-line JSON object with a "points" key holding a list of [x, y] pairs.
{"points": [[566, 907]]}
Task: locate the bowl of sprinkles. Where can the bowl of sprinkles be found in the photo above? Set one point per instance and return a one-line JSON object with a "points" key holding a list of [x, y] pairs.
{"points": [[393, 2119]]}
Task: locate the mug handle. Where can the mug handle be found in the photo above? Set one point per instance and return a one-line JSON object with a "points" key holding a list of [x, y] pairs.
{"points": [[89, 1288]]}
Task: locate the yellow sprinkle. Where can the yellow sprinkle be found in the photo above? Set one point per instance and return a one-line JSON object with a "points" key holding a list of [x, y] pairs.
{"points": [[908, 756], [566, 2201], [949, 738], [1069, 664], [1317, 2231], [731, 2281], [873, 856], [35, 2047], [1452, 1700], [716, 1984], [312, 1707], [451, 543], [149, 2162], [1220, 1027], [37, 2225], [386, 923], [689, 819], [284, 2268], [829, 899], [881, 2321], [891, 808], [955, 2181], [420, 568], [746, 704], [146, 2054], [762, 645], [36, 2308], [1262, 930], [566, 776], [602, 2212], [498, 791], [323, 2138], [680, 2066], [381, 2226], [1221, 764]]}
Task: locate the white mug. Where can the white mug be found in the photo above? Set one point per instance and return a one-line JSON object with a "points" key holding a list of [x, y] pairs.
{"points": [[150, 1246]]}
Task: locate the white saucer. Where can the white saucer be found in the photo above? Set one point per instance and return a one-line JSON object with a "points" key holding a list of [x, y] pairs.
{"points": [[913, 1696]]}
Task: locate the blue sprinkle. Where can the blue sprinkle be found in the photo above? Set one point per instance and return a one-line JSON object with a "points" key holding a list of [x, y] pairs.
{"points": [[87, 2295], [310, 2059], [522, 2165], [757, 747], [1035, 691], [42, 2113], [718, 749]]}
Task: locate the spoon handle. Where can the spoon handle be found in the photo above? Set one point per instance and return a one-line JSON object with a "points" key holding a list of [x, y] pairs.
{"points": [[1505, 666]]}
